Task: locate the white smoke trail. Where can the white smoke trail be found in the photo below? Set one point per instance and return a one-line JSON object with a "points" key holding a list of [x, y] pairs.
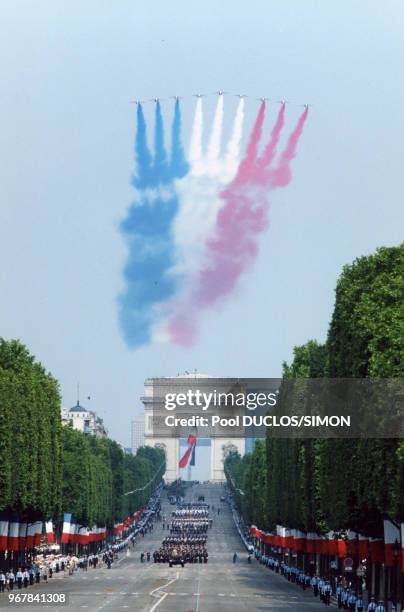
{"points": [[216, 137], [195, 149], [199, 191], [232, 159]]}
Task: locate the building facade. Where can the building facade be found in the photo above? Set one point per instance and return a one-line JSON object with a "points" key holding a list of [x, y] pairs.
{"points": [[86, 421], [137, 437], [155, 390]]}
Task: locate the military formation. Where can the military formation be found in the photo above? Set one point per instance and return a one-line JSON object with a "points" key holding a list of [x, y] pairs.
{"points": [[190, 527], [321, 587], [188, 535]]}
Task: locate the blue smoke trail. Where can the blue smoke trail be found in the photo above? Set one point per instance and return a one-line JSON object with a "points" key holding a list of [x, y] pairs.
{"points": [[160, 167], [148, 230], [179, 165], [144, 160]]}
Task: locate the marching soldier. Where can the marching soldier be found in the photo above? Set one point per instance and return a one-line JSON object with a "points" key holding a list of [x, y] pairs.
{"points": [[19, 576], [320, 588], [25, 578], [327, 593], [352, 602], [372, 605], [339, 596], [359, 604], [11, 580]]}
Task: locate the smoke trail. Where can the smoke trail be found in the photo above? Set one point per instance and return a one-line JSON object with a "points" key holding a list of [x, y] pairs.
{"points": [[216, 136], [220, 257], [282, 175], [230, 253], [160, 155], [243, 216], [233, 148], [148, 232], [248, 164], [143, 157], [270, 150], [199, 194], [178, 163], [234, 246], [195, 150], [199, 190]]}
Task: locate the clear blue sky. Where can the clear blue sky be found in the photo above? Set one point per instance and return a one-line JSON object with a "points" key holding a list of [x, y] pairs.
{"points": [[69, 69]]}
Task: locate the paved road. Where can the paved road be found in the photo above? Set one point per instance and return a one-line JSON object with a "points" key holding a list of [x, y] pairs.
{"points": [[218, 586]]}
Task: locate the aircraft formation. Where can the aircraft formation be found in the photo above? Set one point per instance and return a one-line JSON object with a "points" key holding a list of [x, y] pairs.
{"points": [[219, 92]]}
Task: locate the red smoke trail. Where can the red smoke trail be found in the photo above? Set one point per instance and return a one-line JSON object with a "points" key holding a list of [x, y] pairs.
{"points": [[270, 149], [282, 175], [241, 219], [248, 164], [182, 327]]}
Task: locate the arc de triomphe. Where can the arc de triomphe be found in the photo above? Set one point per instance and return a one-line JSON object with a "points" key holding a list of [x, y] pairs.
{"points": [[155, 390]]}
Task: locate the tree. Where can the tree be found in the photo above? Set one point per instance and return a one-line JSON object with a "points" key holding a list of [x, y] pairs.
{"points": [[333, 484], [47, 469]]}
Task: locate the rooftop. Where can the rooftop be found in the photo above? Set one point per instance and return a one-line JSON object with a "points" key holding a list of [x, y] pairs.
{"points": [[78, 408]]}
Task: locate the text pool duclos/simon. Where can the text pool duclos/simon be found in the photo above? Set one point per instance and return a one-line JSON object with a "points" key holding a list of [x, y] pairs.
{"points": [[297, 421]]}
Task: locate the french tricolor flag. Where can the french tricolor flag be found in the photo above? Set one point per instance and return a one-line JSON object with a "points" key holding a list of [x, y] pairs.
{"points": [[50, 535], [311, 542], [118, 527], [300, 540], [102, 533], [97, 533], [191, 446], [91, 535], [13, 533], [73, 533], [22, 535], [38, 533], [29, 542], [376, 547], [82, 535], [3, 531], [67, 519], [34, 535], [391, 537]]}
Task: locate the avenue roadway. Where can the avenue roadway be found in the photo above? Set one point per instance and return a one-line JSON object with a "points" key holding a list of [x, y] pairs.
{"points": [[218, 586]]}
